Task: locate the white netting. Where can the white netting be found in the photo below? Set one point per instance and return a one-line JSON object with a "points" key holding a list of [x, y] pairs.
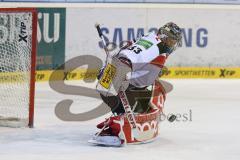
{"points": [[15, 66]]}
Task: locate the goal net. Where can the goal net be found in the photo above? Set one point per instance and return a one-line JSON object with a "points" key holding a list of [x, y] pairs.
{"points": [[17, 66]]}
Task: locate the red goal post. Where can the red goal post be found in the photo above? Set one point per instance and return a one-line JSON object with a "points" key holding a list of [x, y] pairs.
{"points": [[18, 42]]}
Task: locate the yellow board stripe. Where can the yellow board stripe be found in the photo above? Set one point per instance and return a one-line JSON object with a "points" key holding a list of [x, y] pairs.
{"points": [[77, 74], [171, 73], [202, 72]]}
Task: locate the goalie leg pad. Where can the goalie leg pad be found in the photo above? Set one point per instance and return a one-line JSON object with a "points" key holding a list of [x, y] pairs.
{"points": [[119, 126]]}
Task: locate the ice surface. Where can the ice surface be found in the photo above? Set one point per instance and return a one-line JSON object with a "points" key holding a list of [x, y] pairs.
{"points": [[212, 133]]}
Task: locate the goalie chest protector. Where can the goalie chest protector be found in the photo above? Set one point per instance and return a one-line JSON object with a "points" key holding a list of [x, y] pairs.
{"points": [[147, 60]]}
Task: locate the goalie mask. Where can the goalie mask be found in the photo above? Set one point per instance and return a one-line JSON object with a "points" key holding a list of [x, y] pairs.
{"points": [[171, 35]]}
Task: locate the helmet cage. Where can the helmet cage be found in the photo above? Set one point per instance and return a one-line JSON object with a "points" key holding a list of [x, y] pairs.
{"points": [[172, 31]]}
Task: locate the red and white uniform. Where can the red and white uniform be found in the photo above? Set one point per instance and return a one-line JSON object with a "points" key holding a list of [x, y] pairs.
{"points": [[147, 59]]}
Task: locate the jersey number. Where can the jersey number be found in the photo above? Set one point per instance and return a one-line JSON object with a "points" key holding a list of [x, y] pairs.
{"points": [[135, 49]]}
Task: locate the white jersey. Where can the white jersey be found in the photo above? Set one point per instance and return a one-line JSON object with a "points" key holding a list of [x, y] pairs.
{"points": [[146, 58]]}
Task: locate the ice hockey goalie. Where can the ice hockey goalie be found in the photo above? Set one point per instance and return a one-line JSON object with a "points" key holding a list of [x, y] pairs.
{"points": [[131, 77]]}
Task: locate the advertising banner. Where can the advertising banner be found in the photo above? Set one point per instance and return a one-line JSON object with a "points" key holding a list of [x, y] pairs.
{"points": [[210, 35], [51, 38]]}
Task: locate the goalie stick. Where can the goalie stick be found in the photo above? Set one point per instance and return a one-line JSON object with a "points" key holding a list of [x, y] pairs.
{"points": [[102, 38]]}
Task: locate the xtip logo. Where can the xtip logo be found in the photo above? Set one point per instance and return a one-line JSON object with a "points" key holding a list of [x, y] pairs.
{"points": [[69, 75], [23, 33], [224, 73]]}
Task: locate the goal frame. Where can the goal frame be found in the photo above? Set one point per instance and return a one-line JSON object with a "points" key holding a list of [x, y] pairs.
{"points": [[33, 57]]}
